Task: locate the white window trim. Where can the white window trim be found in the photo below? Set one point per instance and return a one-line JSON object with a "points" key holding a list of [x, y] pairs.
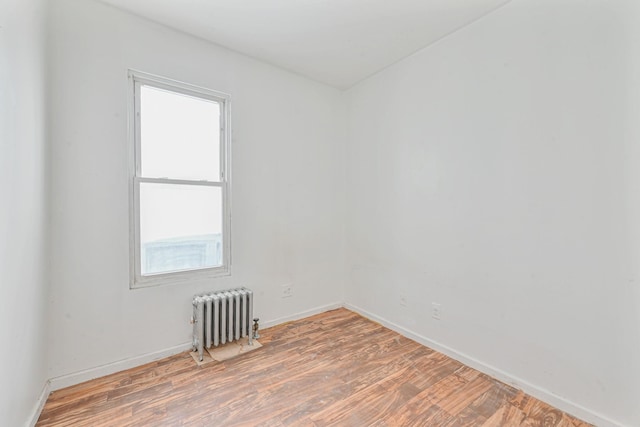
{"points": [[137, 280]]}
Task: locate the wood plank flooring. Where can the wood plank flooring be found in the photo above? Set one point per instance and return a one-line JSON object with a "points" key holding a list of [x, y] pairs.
{"points": [[333, 369]]}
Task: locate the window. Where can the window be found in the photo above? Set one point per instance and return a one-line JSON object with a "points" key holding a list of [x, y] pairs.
{"points": [[179, 181]]}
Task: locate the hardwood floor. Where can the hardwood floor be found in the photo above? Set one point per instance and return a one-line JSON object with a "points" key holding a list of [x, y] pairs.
{"points": [[333, 369]]}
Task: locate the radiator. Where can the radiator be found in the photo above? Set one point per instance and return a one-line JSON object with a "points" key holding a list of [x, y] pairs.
{"points": [[221, 317]]}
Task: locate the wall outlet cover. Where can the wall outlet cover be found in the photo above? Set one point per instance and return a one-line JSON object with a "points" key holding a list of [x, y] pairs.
{"points": [[287, 291], [403, 300], [436, 311]]}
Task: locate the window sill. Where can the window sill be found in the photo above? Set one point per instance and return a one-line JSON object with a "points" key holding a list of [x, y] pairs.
{"points": [[178, 278]]}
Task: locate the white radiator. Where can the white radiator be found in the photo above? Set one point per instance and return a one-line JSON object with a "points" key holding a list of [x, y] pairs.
{"points": [[221, 317]]}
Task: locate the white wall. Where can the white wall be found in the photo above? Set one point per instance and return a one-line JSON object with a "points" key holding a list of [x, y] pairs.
{"points": [[498, 174], [23, 209], [495, 172], [288, 170]]}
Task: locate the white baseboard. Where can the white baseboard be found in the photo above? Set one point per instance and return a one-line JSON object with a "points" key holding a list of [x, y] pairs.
{"points": [[37, 408], [100, 371], [301, 315], [110, 368], [531, 389]]}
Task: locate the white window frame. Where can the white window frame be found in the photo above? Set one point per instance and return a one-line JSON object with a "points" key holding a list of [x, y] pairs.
{"points": [[136, 80]]}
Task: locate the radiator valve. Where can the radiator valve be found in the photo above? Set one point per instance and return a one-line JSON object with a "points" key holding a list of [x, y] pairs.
{"points": [[256, 334]]}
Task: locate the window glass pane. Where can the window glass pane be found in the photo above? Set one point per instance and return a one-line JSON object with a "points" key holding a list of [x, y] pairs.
{"points": [[180, 227], [180, 136]]}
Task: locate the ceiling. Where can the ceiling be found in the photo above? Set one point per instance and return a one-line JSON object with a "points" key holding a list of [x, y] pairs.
{"points": [[337, 42]]}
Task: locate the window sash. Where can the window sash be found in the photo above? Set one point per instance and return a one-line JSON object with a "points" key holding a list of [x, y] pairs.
{"points": [[168, 277], [137, 79], [140, 79]]}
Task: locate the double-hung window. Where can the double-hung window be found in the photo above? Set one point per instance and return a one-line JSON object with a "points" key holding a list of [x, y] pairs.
{"points": [[180, 181]]}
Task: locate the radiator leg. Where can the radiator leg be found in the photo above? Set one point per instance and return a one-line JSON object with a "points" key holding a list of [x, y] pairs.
{"points": [[250, 316], [199, 325], [207, 325], [216, 320], [223, 318], [236, 324], [194, 322], [243, 314]]}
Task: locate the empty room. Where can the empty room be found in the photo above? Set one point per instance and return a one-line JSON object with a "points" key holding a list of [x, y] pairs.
{"points": [[320, 213]]}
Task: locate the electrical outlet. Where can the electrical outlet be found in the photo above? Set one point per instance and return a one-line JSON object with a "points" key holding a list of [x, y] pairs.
{"points": [[403, 300], [287, 291], [436, 311]]}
